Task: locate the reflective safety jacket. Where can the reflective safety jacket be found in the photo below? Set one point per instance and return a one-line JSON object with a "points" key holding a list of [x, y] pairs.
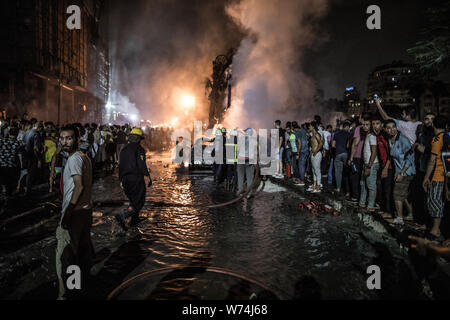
{"points": [[231, 147]]}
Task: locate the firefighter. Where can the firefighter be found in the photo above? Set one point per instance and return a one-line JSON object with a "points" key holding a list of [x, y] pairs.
{"points": [[132, 170], [231, 160], [220, 141]]}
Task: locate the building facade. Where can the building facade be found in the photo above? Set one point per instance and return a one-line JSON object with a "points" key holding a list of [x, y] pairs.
{"points": [[393, 83], [429, 102], [353, 105], [47, 70]]}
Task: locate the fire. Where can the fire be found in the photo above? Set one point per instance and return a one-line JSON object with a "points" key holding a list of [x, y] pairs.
{"points": [[187, 100]]}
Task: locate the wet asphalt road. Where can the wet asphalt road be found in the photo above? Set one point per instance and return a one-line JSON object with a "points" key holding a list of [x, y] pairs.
{"points": [[265, 241]]}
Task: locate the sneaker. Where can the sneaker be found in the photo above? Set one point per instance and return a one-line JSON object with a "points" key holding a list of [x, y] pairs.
{"points": [[398, 220], [299, 183], [409, 218], [317, 191], [353, 200], [310, 189]]}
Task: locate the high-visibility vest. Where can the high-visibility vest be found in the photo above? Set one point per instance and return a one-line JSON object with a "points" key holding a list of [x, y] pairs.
{"points": [[235, 153]]}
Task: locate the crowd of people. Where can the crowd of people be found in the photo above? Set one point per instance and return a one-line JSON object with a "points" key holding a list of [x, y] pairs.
{"points": [[398, 168], [66, 157], [31, 152]]}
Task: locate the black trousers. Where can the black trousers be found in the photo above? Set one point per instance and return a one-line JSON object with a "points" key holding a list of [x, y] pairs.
{"points": [[134, 188], [355, 178], [385, 190], [80, 252], [9, 178], [32, 171], [418, 199]]}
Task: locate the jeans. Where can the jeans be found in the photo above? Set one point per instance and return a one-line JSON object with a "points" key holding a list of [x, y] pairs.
{"points": [[316, 162], [330, 172], [339, 163], [355, 179], [371, 183], [302, 165], [294, 164], [247, 170], [280, 161], [289, 159]]}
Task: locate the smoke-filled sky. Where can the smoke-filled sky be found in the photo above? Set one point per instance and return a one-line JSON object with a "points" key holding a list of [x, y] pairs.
{"points": [[162, 51]]}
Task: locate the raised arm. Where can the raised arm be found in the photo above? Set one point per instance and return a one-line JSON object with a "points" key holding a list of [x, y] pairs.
{"points": [[381, 110]]}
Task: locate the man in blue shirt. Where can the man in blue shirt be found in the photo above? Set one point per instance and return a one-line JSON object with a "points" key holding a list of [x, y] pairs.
{"points": [[339, 144], [404, 168]]}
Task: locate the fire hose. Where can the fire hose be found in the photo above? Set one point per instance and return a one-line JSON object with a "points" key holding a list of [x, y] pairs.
{"points": [[256, 182], [126, 283]]}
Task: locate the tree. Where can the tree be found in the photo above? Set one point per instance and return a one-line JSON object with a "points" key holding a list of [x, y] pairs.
{"points": [[432, 52]]}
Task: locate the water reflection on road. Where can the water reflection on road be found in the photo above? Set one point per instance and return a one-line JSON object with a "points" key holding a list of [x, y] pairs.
{"points": [[266, 238]]}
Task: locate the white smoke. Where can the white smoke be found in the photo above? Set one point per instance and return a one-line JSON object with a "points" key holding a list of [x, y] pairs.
{"points": [[267, 76], [119, 103]]}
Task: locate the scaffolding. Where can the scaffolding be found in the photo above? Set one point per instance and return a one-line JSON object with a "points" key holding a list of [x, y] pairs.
{"points": [[76, 62]]}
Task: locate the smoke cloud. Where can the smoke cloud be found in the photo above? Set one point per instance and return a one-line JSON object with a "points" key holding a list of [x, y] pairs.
{"points": [[267, 69], [162, 52]]}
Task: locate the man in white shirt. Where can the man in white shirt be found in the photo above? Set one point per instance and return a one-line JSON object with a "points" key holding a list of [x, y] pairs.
{"points": [[371, 166], [74, 246], [407, 126]]}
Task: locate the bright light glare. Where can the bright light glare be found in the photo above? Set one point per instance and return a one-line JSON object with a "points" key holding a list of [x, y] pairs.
{"points": [[174, 121], [133, 117], [108, 106], [187, 100]]}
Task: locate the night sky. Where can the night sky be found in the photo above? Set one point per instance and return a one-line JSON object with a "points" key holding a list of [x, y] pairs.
{"points": [[344, 52], [352, 50]]}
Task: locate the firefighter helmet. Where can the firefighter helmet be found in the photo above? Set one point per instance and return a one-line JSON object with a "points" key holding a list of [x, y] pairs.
{"points": [[137, 132]]}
